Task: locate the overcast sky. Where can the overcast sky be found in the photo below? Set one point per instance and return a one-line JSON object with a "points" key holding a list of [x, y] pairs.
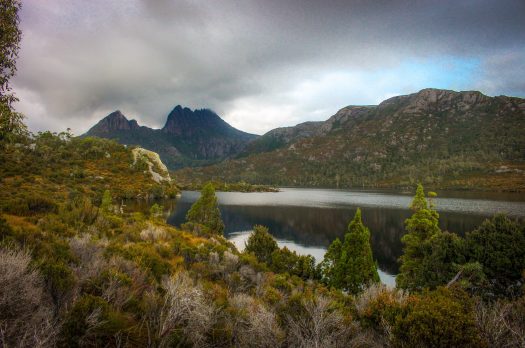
{"points": [[260, 64]]}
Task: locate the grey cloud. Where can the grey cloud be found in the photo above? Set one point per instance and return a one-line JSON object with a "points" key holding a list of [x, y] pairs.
{"points": [[503, 73], [83, 59]]}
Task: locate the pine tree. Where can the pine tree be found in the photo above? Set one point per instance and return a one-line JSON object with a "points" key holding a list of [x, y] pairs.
{"points": [[350, 266], [421, 227], [205, 210], [329, 266]]}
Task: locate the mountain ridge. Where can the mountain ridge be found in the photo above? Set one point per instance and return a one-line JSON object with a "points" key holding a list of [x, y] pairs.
{"points": [[442, 138]]}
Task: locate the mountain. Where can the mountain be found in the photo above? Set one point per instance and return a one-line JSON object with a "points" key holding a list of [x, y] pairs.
{"points": [[443, 138], [189, 137]]}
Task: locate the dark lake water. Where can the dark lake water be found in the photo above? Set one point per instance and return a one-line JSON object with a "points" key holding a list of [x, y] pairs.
{"points": [[308, 220]]}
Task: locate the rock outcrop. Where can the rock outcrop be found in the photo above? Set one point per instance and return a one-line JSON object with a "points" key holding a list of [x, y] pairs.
{"points": [[157, 169]]}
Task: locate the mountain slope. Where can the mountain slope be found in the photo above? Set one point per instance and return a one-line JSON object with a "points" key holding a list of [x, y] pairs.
{"points": [[442, 138], [189, 137]]}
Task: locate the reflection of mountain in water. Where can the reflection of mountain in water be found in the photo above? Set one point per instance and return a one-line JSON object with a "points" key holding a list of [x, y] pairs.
{"points": [[317, 227]]}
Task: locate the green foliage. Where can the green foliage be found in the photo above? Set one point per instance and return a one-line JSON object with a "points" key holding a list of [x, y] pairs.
{"points": [[379, 305], [205, 210], [147, 256], [489, 261], [9, 41], [156, 211], [499, 246], [228, 187], [443, 255], [107, 201], [441, 318], [286, 261], [11, 122], [261, 244], [59, 279], [421, 227], [350, 266], [31, 205], [93, 322], [331, 267]]}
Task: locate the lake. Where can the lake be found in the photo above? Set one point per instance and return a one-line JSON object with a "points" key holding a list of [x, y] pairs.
{"points": [[308, 220]]}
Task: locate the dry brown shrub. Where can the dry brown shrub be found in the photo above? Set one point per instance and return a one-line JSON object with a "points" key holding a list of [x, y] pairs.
{"points": [[26, 316], [183, 309], [319, 326], [254, 325]]}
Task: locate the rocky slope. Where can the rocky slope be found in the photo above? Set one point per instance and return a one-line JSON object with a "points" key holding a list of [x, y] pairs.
{"points": [[440, 137], [189, 137]]}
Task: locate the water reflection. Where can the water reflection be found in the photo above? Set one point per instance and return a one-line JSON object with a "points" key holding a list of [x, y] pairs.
{"points": [[309, 220]]}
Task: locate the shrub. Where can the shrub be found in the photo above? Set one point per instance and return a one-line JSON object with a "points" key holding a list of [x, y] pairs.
{"points": [[32, 205], [440, 318], [499, 245], [318, 324], [254, 325], [92, 322], [378, 307], [26, 317], [261, 244], [286, 261], [184, 316]]}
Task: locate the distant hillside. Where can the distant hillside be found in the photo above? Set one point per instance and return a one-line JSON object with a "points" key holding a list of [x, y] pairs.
{"points": [[443, 138], [47, 169], [188, 138]]}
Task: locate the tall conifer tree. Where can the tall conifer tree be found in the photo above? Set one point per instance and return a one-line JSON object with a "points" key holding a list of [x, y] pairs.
{"points": [[350, 265]]}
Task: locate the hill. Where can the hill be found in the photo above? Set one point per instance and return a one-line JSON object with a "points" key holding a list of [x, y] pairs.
{"points": [[51, 168], [189, 137], [445, 139]]}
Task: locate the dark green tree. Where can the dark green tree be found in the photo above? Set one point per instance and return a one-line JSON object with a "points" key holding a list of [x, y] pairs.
{"points": [[329, 267], [205, 210], [420, 227], [351, 266], [11, 122], [261, 244], [443, 257], [499, 246], [286, 261]]}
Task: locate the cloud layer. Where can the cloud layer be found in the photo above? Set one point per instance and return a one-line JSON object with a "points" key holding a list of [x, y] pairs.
{"points": [[259, 64]]}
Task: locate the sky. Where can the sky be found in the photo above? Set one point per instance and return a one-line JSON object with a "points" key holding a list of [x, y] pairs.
{"points": [[259, 64]]}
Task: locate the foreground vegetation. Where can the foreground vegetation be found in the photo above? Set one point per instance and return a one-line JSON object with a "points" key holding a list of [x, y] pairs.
{"points": [[85, 274]]}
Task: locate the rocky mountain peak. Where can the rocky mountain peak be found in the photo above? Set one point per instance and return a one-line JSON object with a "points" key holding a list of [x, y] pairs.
{"points": [[433, 100], [115, 121], [183, 120]]}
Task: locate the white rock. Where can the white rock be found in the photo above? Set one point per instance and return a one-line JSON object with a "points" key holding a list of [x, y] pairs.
{"points": [[157, 169]]}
